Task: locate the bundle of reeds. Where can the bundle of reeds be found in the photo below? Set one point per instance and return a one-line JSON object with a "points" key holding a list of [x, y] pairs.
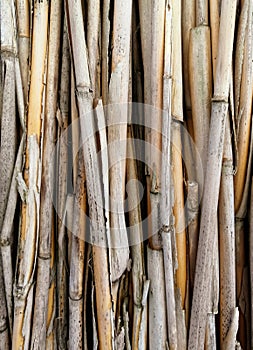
{"points": [[126, 187]]}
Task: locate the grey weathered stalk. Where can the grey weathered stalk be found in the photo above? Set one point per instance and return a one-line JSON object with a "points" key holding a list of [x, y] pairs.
{"points": [[117, 135], [62, 175], [213, 173], [227, 240], [157, 300], [135, 241], [47, 181], [94, 188]]}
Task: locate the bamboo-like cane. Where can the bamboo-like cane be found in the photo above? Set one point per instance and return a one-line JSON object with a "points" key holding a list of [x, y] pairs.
{"points": [[193, 226], [136, 245], [157, 303], [4, 329], [48, 165], [166, 200], [93, 23], [23, 16], [117, 132], [62, 159], [105, 35], [77, 257], [188, 22], [84, 98], [251, 255], [8, 112], [177, 81], [51, 343], [245, 110], [30, 208], [227, 240], [200, 74], [12, 98], [239, 54], [201, 12], [212, 179], [153, 54], [178, 209], [214, 26]]}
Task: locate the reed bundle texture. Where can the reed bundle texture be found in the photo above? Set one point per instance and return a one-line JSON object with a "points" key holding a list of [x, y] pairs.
{"points": [[126, 184]]}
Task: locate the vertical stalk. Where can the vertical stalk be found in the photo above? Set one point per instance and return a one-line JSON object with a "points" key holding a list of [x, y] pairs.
{"points": [[62, 175], [212, 179], [47, 180], [136, 245], [227, 240], [29, 226], [23, 16], [117, 134], [94, 188], [157, 308]]}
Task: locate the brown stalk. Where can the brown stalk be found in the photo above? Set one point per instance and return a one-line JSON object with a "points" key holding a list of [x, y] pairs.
{"points": [[178, 209]]}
